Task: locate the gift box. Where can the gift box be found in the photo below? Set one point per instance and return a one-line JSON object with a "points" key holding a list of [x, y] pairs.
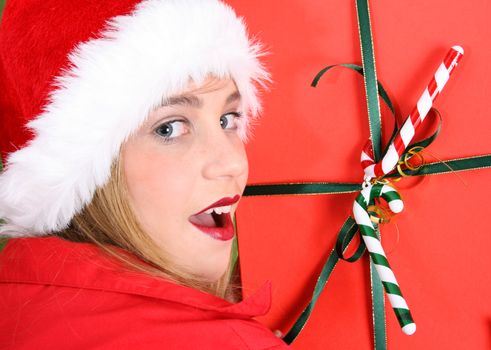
{"points": [[438, 246]]}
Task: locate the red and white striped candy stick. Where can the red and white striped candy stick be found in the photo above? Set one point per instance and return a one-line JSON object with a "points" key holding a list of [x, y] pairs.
{"points": [[386, 165], [413, 121]]}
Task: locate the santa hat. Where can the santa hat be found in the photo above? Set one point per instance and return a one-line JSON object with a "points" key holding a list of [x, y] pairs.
{"points": [[78, 77]]}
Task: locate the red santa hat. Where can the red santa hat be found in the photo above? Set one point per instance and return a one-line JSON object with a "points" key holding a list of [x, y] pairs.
{"points": [[78, 77]]}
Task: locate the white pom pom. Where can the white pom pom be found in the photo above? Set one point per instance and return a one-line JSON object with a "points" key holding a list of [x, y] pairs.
{"points": [[396, 206]]}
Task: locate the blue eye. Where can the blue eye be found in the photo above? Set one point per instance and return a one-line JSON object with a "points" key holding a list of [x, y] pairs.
{"points": [[229, 120], [172, 129]]}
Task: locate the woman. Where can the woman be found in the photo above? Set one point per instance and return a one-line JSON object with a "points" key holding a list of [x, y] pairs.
{"points": [[123, 125]]}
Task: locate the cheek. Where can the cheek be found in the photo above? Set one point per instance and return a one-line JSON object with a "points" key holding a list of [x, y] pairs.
{"points": [[156, 183], [245, 175], [242, 178]]}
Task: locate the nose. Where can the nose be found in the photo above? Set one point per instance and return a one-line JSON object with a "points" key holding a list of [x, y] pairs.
{"points": [[224, 156]]}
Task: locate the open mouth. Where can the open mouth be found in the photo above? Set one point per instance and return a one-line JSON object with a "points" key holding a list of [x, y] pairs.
{"points": [[216, 220], [212, 219]]}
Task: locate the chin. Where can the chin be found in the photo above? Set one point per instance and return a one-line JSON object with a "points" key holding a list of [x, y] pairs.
{"points": [[216, 264], [215, 275]]}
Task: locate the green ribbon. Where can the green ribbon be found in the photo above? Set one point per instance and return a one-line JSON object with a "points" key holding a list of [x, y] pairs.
{"points": [[3, 240], [373, 89], [378, 309], [2, 5], [301, 188], [369, 76]]}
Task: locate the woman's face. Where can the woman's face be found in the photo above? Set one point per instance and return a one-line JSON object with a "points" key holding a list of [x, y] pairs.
{"points": [[186, 159]]}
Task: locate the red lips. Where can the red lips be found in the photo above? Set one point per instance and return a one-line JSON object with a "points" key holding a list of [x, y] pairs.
{"points": [[218, 226], [222, 202]]}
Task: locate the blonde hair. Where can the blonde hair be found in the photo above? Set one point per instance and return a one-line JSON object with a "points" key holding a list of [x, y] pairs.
{"points": [[108, 220]]}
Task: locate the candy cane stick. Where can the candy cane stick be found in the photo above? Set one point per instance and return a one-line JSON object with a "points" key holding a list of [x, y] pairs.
{"points": [[414, 120], [374, 247], [386, 165]]}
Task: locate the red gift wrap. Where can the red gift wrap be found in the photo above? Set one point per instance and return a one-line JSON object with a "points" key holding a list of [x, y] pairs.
{"points": [[439, 245]]}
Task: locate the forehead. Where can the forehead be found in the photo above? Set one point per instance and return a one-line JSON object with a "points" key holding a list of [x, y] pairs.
{"points": [[209, 85], [193, 95]]}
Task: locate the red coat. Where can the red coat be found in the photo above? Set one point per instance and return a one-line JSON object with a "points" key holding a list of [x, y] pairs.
{"points": [[56, 294]]}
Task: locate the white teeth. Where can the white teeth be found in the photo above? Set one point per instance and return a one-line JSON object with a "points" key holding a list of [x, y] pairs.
{"points": [[219, 210]]}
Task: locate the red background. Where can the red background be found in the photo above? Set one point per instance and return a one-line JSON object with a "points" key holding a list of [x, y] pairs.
{"points": [[442, 258]]}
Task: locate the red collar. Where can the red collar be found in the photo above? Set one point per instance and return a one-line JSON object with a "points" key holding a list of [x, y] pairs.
{"points": [[54, 261]]}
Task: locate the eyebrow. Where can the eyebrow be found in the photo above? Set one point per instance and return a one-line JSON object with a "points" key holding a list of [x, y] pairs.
{"points": [[183, 100], [195, 101], [233, 97]]}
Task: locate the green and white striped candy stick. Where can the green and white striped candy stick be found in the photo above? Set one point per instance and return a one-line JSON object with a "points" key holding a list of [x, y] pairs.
{"points": [[374, 247]]}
